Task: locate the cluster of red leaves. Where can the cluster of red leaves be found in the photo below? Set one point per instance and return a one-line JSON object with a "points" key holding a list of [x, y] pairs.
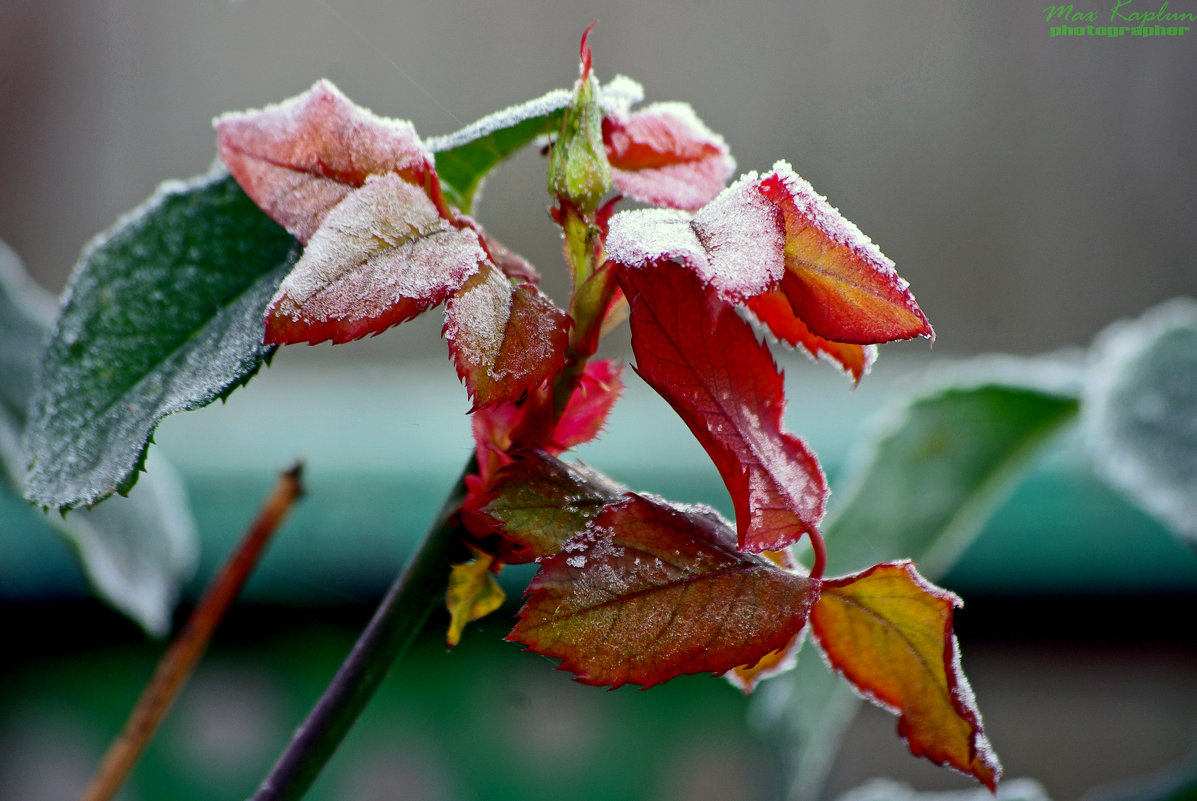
{"points": [[631, 589]]}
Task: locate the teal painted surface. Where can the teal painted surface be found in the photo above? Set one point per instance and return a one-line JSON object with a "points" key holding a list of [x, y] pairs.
{"points": [[384, 441]]}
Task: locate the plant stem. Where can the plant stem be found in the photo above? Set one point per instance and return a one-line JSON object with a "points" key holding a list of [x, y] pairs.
{"points": [[418, 589], [189, 645]]}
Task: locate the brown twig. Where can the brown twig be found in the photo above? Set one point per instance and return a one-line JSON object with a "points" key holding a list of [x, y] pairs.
{"points": [[189, 645]]}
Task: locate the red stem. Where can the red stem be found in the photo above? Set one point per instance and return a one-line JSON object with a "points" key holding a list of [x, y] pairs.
{"points": [[820, 564]]}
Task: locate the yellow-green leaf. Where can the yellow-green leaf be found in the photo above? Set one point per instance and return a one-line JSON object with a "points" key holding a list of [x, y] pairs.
{"points": [[473, 593], [889, 632]]}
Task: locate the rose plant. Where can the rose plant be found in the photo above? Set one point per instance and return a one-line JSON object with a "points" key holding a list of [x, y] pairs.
{"points": [[326, 222]]}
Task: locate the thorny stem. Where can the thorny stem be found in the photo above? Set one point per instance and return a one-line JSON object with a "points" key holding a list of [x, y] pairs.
{"points": [[418, 590], [180, 659]]}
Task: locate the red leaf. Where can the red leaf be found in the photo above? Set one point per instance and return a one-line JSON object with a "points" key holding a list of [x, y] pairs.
{"points": [[505, 341], [889, 633], [774, 311], [652, 591], [381, 256], [705, 361], [664, 155], [299, 158], [844, 289], [587, 410]]}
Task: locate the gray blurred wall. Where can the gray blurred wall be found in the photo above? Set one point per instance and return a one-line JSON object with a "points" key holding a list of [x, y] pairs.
{"points": [[1031, 189]]}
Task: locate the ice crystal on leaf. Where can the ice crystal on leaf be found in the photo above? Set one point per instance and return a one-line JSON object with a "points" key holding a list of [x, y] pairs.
{"points": [[299, 158]]}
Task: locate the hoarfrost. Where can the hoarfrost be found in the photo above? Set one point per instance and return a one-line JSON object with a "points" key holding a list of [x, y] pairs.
{"points": [[735, 243], [689, 163], [620, 94], [135, 551], [299, 158], [383, 244], [1139, 412], [830, 222], [476, 319], [501, 120], [616, 97]]}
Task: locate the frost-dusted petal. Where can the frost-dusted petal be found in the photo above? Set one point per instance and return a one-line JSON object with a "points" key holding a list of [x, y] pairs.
{"points": [[845, 289], [651, 591], [889, 633], [664, 155], [774, 311], [695, 351], [504, 340], [735, 243], [297, 159], [383, 255]]}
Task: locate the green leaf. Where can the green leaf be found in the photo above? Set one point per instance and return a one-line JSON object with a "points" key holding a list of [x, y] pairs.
{"points": [[890, 790], [163, 314], [135, 551], [26, 312], [464, 158], [926, 484], [1140, 412], [938, 471]]}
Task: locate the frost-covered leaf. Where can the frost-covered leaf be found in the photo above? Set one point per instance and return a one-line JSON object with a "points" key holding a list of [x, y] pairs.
{"points": [[539, 502], [774, 663], [504, 340], [135, 551], [1140, 412], [587, 409], [939, 465], [651, 591], [946, 458], [26, 314], [735, 243], [773, 309], [708, 365], [664, 155], [473, 593], [889, 632], [466, 157], [775, 234], [299, 158], [844, 289], [163, 314], [381, 256]]}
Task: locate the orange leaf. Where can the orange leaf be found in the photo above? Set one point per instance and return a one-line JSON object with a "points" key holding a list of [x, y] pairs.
{"points": [[774, 311], [889, 633], [845, 289]]}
